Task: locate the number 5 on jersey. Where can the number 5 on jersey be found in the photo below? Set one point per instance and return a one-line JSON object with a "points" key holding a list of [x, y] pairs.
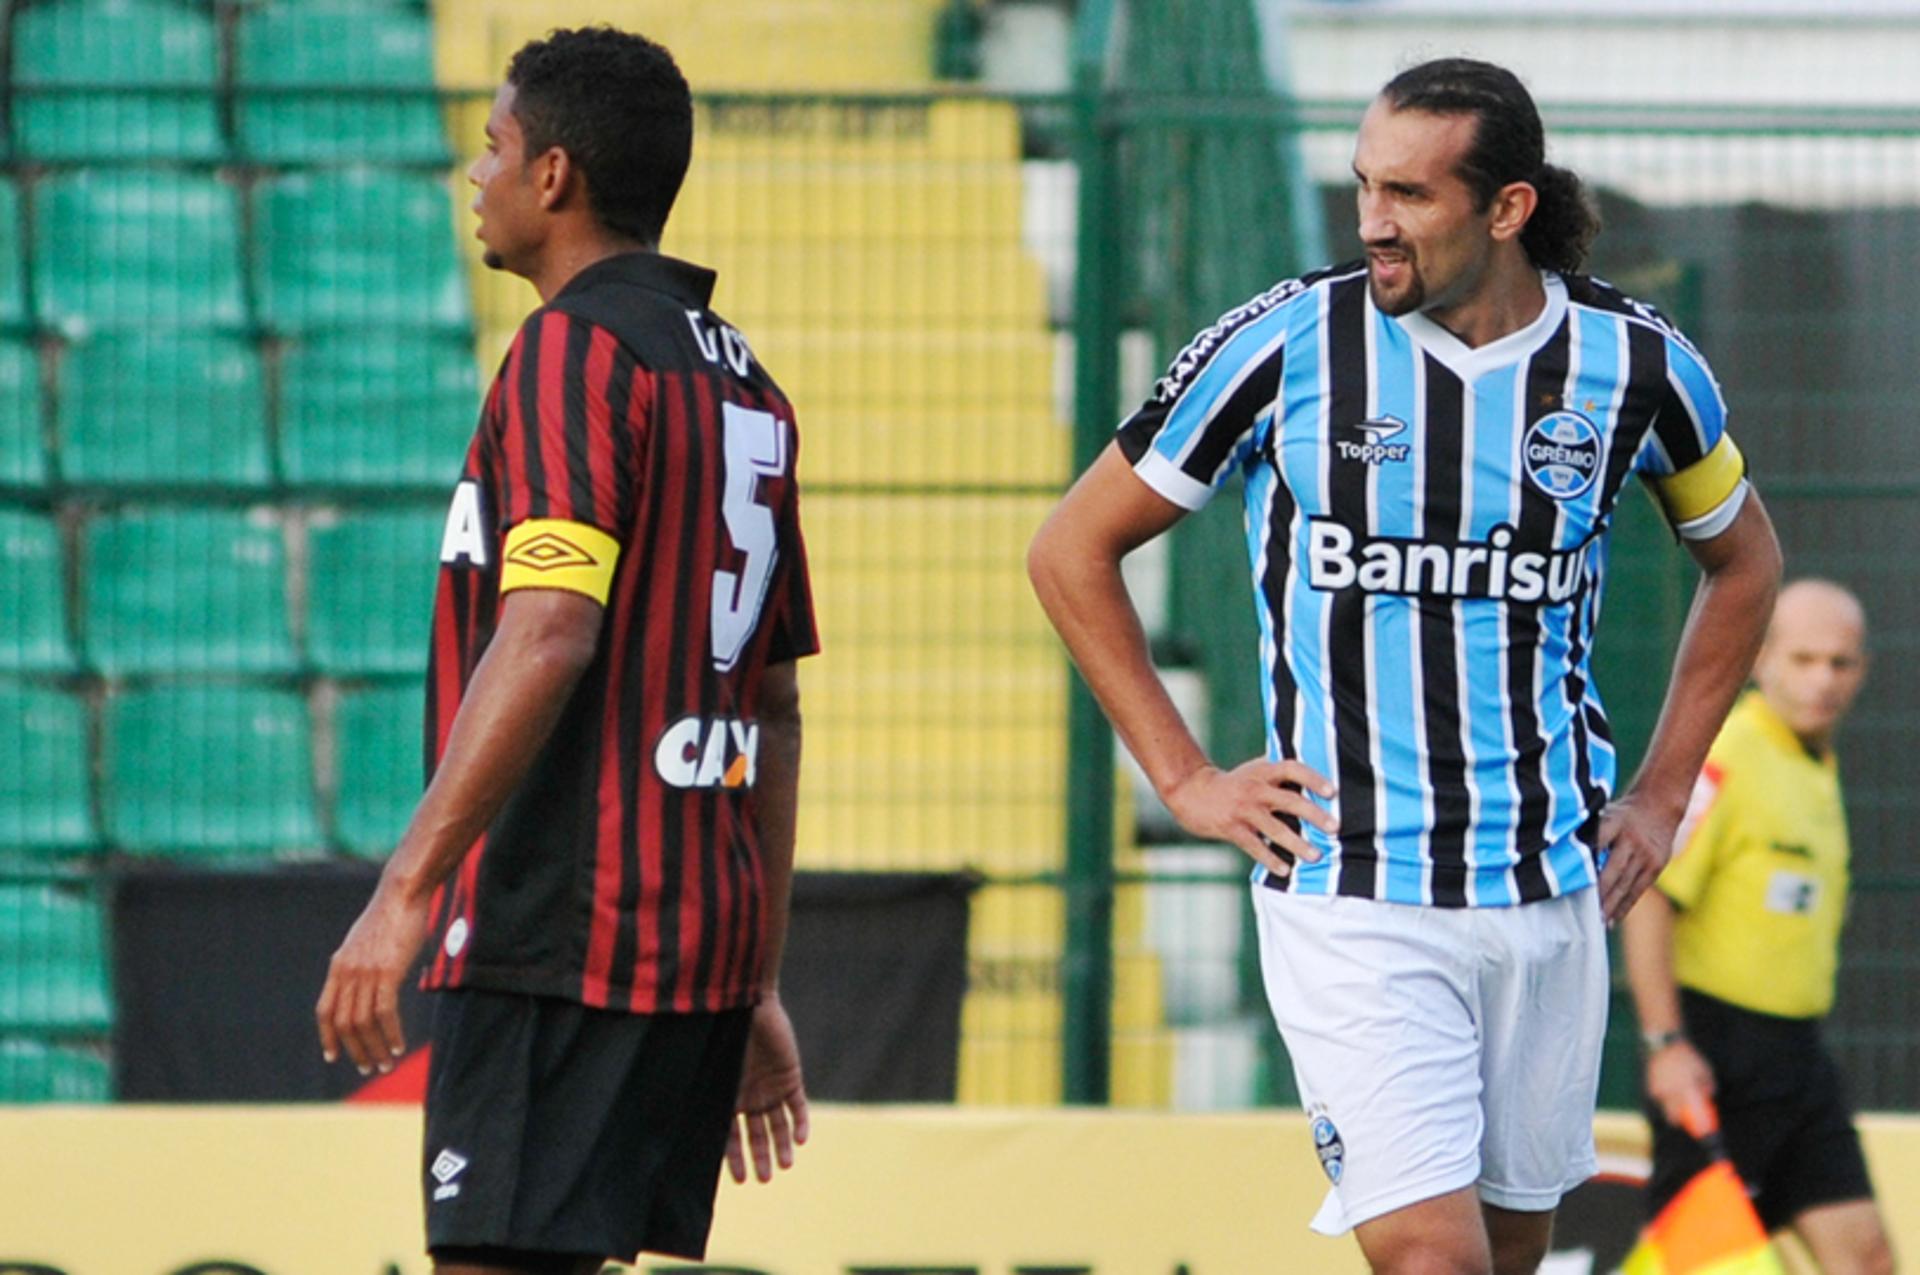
{"points": [[755, 444]]}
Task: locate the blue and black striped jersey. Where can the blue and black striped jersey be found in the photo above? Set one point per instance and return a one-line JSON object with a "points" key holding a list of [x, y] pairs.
{"points": [[1426, 524]]}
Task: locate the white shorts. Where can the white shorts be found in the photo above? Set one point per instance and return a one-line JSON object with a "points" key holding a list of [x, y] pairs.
{"points": [[1440, 1048]]}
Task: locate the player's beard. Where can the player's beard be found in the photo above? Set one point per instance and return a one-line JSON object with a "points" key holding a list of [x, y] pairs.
{"points": [[1410, 297], [493, 260]]}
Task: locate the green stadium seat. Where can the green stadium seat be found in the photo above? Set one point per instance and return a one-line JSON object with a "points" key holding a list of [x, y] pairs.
{"points": [[33, 592], [53, 970], [209, 771], [370, 592], [116, 79], [164, 408], [357, 249], [46, 807], [13, 268], [377, 409], [35, 1071], [336, 83], [137, 249], [23, 454], [382, 771], [186, 591]]}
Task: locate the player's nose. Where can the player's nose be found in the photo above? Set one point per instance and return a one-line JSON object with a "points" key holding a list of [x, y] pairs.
{"points": [[1376, 224]]}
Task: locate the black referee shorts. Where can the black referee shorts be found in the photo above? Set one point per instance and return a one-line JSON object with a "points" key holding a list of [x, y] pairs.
{"points": [[556, 1129], [1783, 1112]]}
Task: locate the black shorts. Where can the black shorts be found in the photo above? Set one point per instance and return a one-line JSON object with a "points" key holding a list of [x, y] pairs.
{"points": [[553, 1128], [1783, 1111]]}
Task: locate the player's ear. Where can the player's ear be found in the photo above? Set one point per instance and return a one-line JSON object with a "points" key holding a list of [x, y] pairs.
{"points": [[1513, 204], [554, 176]]}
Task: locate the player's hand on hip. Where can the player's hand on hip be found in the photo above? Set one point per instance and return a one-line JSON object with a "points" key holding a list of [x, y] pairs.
{"points": [[1679, 1079], [770, 1116], [359, 1008], [1257, 806], [1638, 840]]}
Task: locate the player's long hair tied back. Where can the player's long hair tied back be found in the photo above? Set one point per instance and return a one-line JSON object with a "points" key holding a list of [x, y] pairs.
{"points": [[1509, 146]]}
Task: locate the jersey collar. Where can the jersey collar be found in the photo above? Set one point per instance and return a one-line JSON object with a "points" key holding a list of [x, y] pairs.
{"points": [[686, 283], [1470, 362]]}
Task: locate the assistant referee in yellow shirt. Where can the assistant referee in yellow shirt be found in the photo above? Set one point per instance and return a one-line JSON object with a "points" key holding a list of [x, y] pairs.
{"points": [[1732, 958]]}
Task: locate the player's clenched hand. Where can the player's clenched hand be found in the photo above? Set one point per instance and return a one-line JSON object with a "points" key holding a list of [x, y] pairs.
{"points": [[1637, 837], [1249, 806], [1679, 1079], [772, 1107], [359, 1008]]}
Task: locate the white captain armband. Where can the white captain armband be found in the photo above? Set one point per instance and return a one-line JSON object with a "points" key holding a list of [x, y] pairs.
{"points": [[1702, 500]]}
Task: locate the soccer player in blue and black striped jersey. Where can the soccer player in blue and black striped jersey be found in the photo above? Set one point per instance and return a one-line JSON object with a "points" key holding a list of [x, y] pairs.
{"points": [[1434, 440]]}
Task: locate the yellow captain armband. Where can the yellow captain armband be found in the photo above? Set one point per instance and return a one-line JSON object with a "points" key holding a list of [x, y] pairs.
{"points": [[553, 553], [1702, 499]]}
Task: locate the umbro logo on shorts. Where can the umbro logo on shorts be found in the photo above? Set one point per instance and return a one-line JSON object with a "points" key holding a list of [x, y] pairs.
{"points": [[447, 1166]]}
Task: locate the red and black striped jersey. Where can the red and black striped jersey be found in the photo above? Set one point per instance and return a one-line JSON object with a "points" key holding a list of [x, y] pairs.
{"points": [[628, 424]]}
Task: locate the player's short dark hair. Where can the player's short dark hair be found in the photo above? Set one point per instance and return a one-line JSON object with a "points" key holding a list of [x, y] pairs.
{"points": [[619, 107], [1509, 145]]}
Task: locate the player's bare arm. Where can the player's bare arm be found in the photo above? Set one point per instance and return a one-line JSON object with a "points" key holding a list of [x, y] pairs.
{"points": [[1677, 1078], [1740, 573], [545, 641], [1074, 563], [772, 1108]]}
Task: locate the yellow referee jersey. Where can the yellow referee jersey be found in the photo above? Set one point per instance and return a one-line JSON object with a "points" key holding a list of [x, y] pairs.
{"points": [[1760, 873]]}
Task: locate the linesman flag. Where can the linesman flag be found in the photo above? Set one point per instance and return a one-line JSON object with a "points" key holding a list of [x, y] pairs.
{"points": [[1710, 1227]]}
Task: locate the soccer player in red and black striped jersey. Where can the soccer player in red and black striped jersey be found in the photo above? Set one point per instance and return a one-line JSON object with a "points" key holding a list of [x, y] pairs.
{"points": [[603, 852]]}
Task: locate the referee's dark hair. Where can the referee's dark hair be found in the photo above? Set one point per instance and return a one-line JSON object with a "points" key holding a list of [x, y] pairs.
{"points": [[1509, 145], [619, 107]]}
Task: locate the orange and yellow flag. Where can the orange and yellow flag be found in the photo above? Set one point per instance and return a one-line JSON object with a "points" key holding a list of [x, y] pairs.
{"points": [[1710, 1227]]}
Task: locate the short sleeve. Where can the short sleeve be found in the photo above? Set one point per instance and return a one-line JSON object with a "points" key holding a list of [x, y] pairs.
{"points": [[795, 633], [1697, 843], [1689, 460], [1202, 420], [574, 401]]}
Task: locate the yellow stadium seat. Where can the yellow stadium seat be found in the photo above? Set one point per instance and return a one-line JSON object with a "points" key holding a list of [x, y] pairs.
{"points": [[937, 730], [731, 130], [883, 406], [1141, 1069], [743, 45], [822, 199], [1011, 1018], [863, 283]]}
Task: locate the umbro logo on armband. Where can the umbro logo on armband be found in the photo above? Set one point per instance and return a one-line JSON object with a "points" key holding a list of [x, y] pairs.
{"points": [[550, 551]]}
